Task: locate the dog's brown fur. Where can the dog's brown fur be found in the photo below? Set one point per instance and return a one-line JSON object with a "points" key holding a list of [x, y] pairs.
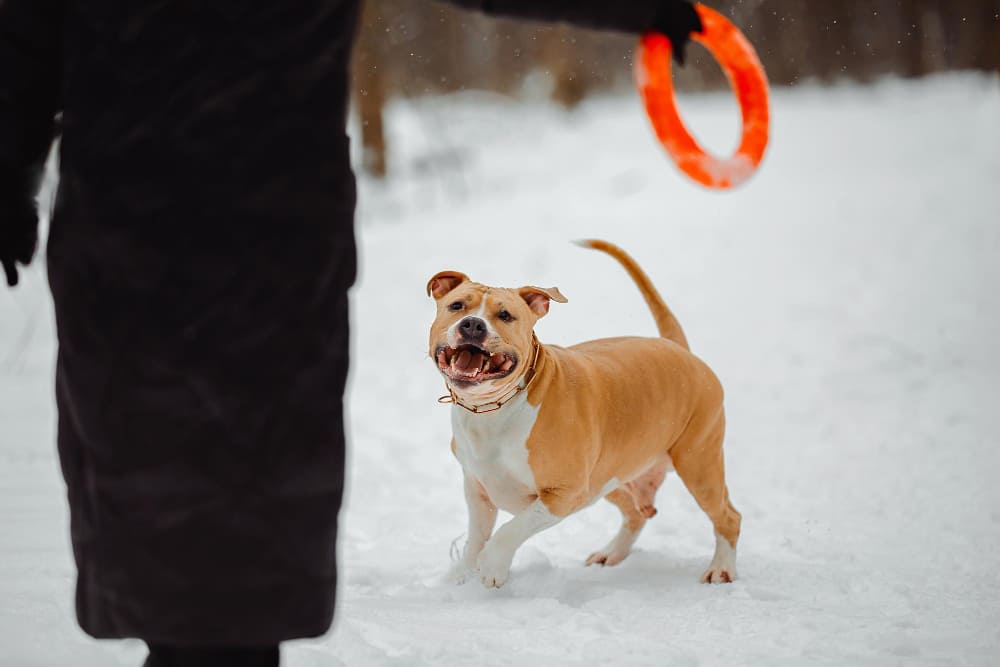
{"points": [[611, 413]]}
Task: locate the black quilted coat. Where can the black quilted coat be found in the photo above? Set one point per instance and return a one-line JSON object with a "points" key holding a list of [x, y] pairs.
{"points": [[199, 257]]}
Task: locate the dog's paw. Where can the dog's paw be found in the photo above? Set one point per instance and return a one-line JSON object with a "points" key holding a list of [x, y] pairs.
{"points": [[493, 566], [719, 575], [722, 569], [460, 572], [616, 550], [608, 557]]}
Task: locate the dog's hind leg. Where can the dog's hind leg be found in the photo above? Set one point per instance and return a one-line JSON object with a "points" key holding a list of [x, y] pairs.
{"points": [[632, 522], [699, 464], [635, 500]]}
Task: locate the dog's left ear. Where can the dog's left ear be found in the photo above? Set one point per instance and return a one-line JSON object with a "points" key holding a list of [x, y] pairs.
{"points": [[444, 282], [538, 298]]}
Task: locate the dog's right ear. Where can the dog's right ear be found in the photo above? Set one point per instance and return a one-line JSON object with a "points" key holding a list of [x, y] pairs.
{"points": [[444, 282]]}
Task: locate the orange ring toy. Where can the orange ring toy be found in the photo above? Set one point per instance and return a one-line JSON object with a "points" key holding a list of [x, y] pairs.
{"points": [[746, 75]]}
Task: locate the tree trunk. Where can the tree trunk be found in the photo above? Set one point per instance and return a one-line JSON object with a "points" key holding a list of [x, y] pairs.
{"points": [[370, 88]]}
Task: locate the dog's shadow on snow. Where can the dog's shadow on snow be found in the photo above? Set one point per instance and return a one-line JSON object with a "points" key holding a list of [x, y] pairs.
{"points": [[534, 576]]}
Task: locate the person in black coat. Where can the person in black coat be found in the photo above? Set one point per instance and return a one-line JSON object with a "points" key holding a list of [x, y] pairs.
{"points": [[199, 256]]}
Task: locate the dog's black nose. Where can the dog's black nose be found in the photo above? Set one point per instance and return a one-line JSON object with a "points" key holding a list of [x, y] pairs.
{"points": [[473, 328]]}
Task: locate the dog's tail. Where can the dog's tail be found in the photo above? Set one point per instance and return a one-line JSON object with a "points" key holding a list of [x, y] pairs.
{"points": [[667, 324]]}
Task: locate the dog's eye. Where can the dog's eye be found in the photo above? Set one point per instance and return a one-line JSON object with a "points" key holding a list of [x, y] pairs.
{"points": [[457, 306], [505, 316]]}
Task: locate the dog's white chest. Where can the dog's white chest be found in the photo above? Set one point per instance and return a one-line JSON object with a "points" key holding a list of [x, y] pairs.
{"points": [[493, 448]]}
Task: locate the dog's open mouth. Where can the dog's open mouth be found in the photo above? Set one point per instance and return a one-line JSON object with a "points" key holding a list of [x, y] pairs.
{"points": [[468, 363]]}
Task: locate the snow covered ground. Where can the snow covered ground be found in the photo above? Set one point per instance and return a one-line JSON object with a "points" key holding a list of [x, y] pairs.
{"points": [[846, 296]]}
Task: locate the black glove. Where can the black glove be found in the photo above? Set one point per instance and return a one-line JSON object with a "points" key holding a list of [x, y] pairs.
{"points": [[18, 221], [676, 19]]}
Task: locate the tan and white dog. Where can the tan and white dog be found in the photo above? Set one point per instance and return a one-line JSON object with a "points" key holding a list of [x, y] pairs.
{"points": [[542, 431]]}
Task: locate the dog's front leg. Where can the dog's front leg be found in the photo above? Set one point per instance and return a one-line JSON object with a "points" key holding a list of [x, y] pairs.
{"points": [[494, 561], [482, 518]]}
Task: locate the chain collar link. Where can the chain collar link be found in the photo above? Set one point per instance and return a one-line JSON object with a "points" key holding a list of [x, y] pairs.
{"points": [[493, 406]]}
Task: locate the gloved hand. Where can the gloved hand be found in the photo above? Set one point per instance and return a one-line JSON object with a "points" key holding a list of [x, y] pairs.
{"points": [[676, 19], [18, 222]]}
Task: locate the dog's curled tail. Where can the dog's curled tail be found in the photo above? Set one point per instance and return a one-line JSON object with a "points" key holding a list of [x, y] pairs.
{"points": [[667, 324]]}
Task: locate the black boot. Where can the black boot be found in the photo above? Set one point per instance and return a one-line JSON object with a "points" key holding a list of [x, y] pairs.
{"points": [[212, 656]]}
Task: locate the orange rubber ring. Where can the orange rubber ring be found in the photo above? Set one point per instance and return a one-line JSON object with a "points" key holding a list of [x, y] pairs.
{"points": [[746, 75]]}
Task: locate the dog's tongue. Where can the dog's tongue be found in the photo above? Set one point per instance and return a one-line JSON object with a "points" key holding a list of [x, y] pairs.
{"points": [[469, 361]]}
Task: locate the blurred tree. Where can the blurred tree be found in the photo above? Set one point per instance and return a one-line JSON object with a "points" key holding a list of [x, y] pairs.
{"points": [[414, 47], [369, 71], [912, 38], [562, 58]]}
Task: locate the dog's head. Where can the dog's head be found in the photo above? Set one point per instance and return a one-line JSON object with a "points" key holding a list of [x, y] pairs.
{"points": [[482, 336]]}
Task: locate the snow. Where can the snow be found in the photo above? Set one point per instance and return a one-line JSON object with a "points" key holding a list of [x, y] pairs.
{"points": [[845, 295]]}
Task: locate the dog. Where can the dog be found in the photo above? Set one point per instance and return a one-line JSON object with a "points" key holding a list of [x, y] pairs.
{"points": [[542, 431]]}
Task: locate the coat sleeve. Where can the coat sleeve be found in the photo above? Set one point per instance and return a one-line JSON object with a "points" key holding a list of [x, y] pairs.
{"points": [[31, 33], [631, 16]]}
